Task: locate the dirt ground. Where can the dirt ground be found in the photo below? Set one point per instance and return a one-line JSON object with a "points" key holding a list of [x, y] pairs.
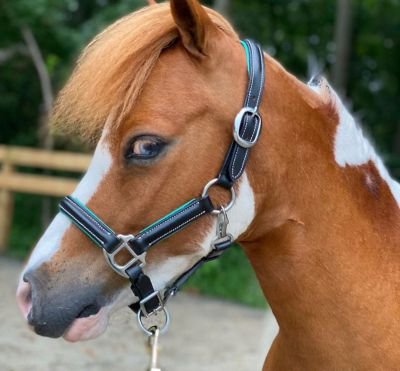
{"points": [[205, 334]]}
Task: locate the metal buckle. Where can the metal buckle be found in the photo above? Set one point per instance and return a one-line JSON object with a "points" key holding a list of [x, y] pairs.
{"points": [[237, 124], [147, 299], [135, 260]]}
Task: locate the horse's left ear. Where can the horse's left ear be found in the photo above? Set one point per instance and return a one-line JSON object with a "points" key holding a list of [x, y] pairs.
{"points": [[194, 25]]}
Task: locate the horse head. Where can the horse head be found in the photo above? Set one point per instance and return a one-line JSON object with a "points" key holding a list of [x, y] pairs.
{"points": [[157, 90]]}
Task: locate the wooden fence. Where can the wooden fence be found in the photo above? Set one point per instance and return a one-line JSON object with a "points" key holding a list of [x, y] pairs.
{"points": [[13, 179]]}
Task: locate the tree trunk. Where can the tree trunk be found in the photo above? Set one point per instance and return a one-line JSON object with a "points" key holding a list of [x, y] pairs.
{"points": [[343, 36], [223, 7], [45, 139]]}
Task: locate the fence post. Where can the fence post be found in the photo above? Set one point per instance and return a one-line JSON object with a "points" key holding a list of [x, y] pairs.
{"points": [[6, 208]]}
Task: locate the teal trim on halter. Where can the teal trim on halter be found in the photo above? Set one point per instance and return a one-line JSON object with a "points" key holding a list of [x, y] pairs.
{"points": [[246, 48], [168, 215], [92, 214], [80, 227], [89, 235]]}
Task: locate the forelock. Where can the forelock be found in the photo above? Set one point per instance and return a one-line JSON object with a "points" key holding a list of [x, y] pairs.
{"points": [[112, 69]]}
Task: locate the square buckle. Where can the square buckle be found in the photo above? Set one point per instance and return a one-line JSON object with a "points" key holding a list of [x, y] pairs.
{"points": [[147, 299], [135, 260]]}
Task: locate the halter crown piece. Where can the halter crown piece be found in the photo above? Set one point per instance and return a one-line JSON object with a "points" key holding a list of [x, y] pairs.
{"points": [[246, 130]]}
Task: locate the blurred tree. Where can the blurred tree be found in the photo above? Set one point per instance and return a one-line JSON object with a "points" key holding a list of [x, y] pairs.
{"points": [[60, 29], [297, 31], [45, 138], [343, 39], [294, 31], [222, 6]]}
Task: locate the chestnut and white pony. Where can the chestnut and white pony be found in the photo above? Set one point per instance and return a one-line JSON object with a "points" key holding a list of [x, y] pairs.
{"points": [[317, 212]]}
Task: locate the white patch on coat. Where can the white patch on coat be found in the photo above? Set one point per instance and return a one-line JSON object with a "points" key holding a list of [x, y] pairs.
{"points": [[50, 241], [243, 211], [240, 217], [352, 148]]}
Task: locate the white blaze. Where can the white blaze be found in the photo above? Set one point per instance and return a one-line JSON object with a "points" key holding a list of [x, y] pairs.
{"points": [[50, 241]]}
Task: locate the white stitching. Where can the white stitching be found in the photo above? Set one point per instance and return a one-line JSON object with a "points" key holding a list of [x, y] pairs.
{"points": [[258, 101], [246, 153], [82, 225], [244, 160], [252, 75], [93, 220], [167, 220], [262, 77], [247, 150], [176, 228]]}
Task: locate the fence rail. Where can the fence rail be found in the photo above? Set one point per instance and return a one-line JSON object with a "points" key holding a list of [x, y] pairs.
{"points": [[14, 180]]}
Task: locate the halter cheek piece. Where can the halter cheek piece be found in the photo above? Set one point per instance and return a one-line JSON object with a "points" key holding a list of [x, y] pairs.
{"points": [[246, 130]]}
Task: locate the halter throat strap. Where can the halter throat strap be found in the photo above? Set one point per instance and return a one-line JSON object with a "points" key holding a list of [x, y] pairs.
{"points": [[246, 131]]}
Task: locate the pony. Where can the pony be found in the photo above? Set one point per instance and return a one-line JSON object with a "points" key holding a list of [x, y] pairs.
{"points": [[317, 213]]}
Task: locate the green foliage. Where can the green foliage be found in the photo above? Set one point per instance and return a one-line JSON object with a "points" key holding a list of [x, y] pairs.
{"points": [[296, 31], [230, 277], [61, 28], [292, 31], [25, 225]]}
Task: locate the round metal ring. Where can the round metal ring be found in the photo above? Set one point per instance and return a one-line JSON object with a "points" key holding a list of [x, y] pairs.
{"points": [[231, 202], [162, 329]]}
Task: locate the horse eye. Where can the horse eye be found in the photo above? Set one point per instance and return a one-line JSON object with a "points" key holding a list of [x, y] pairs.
{"points": [[144, 148]]}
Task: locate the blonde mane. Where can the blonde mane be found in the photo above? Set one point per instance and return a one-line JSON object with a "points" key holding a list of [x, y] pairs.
{"points": [[112, 69]]}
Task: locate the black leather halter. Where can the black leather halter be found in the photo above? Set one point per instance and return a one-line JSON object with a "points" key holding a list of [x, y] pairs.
{"points": [[246, 130]]}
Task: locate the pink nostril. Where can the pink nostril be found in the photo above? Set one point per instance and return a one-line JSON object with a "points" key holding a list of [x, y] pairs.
{"points": [[24, 297]]}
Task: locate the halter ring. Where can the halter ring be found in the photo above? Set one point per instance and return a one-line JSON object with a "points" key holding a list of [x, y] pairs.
{"points": [[147, 330], [231, 202]]}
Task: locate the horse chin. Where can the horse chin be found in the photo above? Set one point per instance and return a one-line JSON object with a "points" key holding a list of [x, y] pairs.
{"points": [[88, 328], [93, 326]]}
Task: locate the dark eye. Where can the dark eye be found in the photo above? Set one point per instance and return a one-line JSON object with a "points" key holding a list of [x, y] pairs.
{"points": [[145, 147]]}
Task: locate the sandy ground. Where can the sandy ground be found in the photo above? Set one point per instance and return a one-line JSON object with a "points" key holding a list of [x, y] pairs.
{"points": [[205, 334]]}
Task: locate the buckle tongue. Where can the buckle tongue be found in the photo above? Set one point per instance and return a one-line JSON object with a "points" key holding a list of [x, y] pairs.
{"points": [[134, 260]]}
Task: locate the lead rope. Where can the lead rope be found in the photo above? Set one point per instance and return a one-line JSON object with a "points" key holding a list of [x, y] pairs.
{"points": [[152, 344]]}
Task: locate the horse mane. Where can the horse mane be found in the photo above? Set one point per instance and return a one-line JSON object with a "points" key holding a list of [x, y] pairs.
{"points": [[112, 69]]}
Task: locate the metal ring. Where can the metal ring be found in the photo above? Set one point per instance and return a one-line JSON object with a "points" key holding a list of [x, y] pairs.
{"points": [[231, 202], [162, 329]]}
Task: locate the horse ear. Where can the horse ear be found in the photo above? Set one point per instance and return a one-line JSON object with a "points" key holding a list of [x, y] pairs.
{"points": [[194, 25]]}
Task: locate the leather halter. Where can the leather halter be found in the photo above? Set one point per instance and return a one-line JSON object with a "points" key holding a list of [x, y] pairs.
{"points": [[246, 130]]}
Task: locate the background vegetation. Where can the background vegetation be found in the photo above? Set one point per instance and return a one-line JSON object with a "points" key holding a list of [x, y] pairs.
{"points": [[355, 43]]}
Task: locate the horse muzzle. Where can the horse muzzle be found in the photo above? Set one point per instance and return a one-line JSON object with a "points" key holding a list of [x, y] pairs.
{"points": [[51, 307]]}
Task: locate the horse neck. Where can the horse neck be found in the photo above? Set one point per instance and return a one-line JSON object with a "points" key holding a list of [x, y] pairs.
{"points": [[323, 243]]}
